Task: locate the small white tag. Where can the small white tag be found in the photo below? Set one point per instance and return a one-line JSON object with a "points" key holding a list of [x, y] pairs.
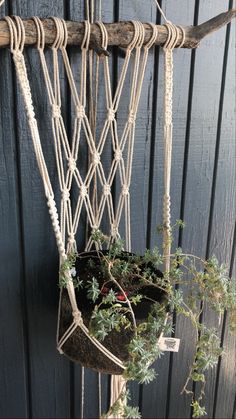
{"points": [[169, 344]]}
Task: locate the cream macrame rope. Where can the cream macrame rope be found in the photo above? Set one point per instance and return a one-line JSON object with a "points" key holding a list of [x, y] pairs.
{"points": [[172, 39], [17, 35], [65, 230], [161, 11], [174, 33]]}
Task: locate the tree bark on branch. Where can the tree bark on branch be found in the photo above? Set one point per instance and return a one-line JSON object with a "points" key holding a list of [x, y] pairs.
{"points": [[119, 34]]}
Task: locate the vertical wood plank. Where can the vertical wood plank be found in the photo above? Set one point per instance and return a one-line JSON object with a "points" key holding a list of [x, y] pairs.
{"points": [[223, 381], [225, 396], [197, 199], [14, 399]]}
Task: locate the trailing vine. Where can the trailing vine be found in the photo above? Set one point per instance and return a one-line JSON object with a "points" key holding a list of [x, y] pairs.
{"points": [[206, 282]]}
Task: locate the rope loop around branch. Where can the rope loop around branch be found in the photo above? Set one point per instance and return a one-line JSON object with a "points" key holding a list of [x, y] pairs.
{"points": [[141, 31], [17, 33], [104, 34], [181, 29], [135, 39], [172, 36], [40, 33], [87, 34], [64, 43], [139, 35], [154, 36], [61, 33]]}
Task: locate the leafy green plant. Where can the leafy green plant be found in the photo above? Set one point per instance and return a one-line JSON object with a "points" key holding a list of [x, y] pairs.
{"points": [[115, 300]]}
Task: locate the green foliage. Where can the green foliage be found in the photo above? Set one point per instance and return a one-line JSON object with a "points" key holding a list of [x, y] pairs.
{"points": [[208, 350], [121, 411], [180, 223], [123, 275], [65, 268], [131, 412], [116, 248], [198, 410], [110, 298], [98, 237], [93, 290], [78, 284], [144, 348], [153, 256], [136, 299]]}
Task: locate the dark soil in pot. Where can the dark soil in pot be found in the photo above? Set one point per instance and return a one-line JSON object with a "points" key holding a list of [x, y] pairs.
{"points": [[78, 347]]}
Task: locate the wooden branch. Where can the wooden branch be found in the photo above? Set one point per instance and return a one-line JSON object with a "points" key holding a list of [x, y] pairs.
{"points": [[119, 34]]}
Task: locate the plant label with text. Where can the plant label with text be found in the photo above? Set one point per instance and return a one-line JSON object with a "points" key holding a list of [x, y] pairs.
{"points": [[169, 344]]}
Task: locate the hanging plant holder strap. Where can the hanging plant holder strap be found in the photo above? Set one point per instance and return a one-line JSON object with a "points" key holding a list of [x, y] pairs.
{"points": [[168, 48]]}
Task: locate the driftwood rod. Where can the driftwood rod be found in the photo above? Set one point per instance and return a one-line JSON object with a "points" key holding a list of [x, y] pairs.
{"points": [[119, 34]]}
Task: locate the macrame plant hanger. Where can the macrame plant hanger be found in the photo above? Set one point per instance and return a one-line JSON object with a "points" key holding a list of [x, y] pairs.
{"points": [[65, 227]]}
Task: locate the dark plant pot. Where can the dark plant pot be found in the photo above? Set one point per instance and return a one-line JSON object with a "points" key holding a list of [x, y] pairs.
{"points": [[78, 347]]}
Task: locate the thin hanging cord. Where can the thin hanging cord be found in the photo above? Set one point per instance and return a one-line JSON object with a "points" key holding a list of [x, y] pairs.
{"points": [[161, 12], [96, 89], [82, 393], [100, 10]]}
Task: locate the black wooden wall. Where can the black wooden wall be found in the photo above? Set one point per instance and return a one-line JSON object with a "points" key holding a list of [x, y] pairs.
{"points": [[35, 381]]}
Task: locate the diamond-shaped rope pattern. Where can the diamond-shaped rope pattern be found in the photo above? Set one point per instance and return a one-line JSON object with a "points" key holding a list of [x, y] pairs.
{"points": [[122, 165]]}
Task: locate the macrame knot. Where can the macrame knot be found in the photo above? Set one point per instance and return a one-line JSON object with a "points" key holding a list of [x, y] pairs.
{"points": [[65, 195], [94, 228], [83, 191], [96, 158], [114, 230], [166, 209], [18, 56], [71, 238], [77, 318], [106, 189], [131, 118], [118, 155], [52, 206], [80, 112], [72, 164], [56, 111], [110, 114], [31, 115], [125, 190]]}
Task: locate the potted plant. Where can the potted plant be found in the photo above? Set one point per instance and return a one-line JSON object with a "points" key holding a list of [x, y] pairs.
{"points": [[127, 303]]}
